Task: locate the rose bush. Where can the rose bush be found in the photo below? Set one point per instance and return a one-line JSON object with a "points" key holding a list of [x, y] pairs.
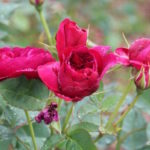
{"points": [[114, 117], [22, 61], [137, 56], [80, 68]]}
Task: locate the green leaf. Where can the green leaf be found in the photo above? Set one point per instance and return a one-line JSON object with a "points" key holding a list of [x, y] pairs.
{"points": [[4, 144], [144, 103], [2, 105], [6, 133], [99, 94], [148, 132], [24, 93], [10, 116], [88, 107], [72, 145], [83, 138], [56, 126], [90, 127], [109, 102], [62, 144], [40, 130], [145, 148], [134, 131], [52, 141], [105, 141]]}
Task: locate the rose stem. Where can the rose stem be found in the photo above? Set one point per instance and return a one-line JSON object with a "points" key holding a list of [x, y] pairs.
{"points": [[122, 99], [100, 135], [67, 118], [118, 137], [31, 129], [58, 109], [129, 108], [44, 23]]}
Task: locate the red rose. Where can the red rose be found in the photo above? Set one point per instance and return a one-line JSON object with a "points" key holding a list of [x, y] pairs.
{"points": [[22, 61], [80, 69], [137, 56], [69, 35]]}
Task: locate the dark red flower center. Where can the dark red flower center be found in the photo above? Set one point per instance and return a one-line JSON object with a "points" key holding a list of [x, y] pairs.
{"points": [[81, 60]]}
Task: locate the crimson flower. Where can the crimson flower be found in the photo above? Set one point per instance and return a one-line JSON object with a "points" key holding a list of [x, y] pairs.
{"points": [[22, 61], [80, 68], [138, 57]]}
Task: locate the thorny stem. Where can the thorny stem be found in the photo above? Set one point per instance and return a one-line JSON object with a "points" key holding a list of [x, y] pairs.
{"points": [[118, 138], [44, 23], [31, 129], [58, 109], [122, 99], [67, 118], [101, 125], [129, 108], [59, 104]]}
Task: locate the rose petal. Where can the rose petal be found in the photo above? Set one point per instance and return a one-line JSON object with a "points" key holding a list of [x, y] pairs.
{"points": [[105, 61], [102, 50], [69, 35], [77, 84], [109, 61], [99, 52], [137, 64], [140, 50], [49, 75], [22, 61], [122, 56]]}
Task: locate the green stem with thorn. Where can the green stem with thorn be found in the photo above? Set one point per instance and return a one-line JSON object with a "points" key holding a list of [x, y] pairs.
{"points": [[67, 118], [31, 129], [44, 23], [122, 99]]}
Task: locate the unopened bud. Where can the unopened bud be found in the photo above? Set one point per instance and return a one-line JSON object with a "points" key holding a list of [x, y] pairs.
{"points": [[142, 78], [37, 2]]}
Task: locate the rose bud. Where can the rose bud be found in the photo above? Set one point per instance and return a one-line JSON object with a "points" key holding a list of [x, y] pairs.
{"points": [[80, 69], [37, 2], [18, 61], [48, 114], [142, 78], [138, 57]]}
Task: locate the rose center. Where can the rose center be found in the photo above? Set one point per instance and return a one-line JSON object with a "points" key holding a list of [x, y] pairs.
{"points": [[81, 60]]}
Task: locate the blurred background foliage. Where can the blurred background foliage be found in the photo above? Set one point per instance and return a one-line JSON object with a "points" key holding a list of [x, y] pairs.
{"points": [[20, 25], [106, 19]]}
